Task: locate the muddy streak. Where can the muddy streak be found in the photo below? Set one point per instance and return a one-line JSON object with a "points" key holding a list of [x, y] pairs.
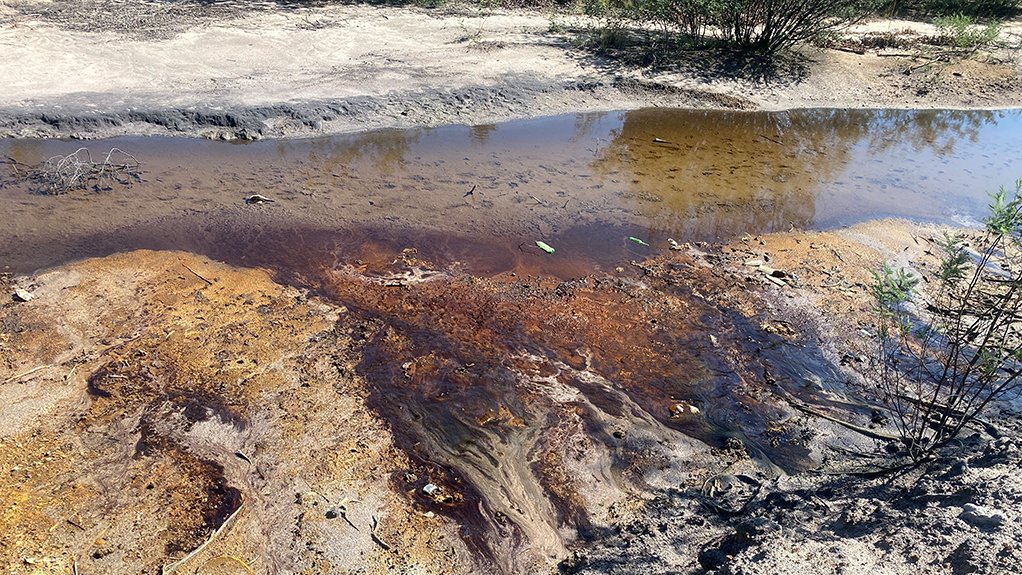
{"points": [[258, 242], [168, 402], [473, 374]]}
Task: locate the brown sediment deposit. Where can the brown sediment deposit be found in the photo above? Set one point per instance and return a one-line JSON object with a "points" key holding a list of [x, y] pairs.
{"points": [[167, 404], [388, 412], [162, 368]]}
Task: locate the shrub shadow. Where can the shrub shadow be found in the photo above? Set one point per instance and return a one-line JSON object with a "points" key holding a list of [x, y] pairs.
{"points": [[618, 50]]}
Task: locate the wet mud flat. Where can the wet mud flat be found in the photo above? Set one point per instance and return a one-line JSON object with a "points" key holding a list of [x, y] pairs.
{"points": [[517, 407], [322, 385], [390, 413]]}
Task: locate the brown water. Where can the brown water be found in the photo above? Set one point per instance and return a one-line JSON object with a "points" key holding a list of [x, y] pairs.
{"points": [[580, 182], [486, 355]]}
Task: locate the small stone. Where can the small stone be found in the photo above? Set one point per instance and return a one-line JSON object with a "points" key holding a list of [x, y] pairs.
{"points": [[683, 408], [773, 272], [22, 295], [981, 516], [961, 467], [430, 489], [103, 548], [764, 525], [813, 381], [306, 498], [257, 199]]}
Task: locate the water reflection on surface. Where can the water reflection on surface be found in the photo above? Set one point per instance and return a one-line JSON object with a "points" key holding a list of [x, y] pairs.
{"points": [[690, 175], [715, 175], [711, 174]]}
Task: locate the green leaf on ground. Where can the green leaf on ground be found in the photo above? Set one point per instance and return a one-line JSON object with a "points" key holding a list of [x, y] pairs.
{"points": [[545, 247]]}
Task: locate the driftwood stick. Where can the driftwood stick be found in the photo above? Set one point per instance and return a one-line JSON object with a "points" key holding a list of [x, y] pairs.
{"points": [[196, 274], [856, 428], [376, 538]]}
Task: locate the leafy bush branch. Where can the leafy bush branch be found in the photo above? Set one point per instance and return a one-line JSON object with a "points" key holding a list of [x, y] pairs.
{"points": [[943, 363], [763, 26], [960, 31]]}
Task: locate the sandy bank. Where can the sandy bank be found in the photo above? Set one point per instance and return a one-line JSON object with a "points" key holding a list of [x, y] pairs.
{"points": [[91, 71]]}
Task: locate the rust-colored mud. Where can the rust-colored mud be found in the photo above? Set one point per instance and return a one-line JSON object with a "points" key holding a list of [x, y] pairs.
{"points": [[522, 403], [478, 377], [387, 374], [166, 403]]}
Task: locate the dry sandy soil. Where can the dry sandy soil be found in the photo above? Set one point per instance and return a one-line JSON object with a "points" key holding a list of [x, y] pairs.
{"points": [[96, 67]]}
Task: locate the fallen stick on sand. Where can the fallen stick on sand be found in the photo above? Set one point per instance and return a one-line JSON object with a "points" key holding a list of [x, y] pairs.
{"points": [[858, 429], [196, 274], [173, 567], [26, 373]]}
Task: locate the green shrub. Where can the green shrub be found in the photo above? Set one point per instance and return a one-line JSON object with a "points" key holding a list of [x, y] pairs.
{"points": [[769, 26], [765, 26], [945, 360], [974, 8], [961, 31]]}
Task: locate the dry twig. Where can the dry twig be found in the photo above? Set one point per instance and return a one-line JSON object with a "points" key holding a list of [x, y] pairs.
{"points": [[173, 567], [79, 171]]}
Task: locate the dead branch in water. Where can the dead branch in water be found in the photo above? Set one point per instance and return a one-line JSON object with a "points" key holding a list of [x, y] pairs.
{"points": [[79, 171]]}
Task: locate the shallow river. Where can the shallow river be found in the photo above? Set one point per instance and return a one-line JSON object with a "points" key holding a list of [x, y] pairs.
{"points": [[579, 182]]}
